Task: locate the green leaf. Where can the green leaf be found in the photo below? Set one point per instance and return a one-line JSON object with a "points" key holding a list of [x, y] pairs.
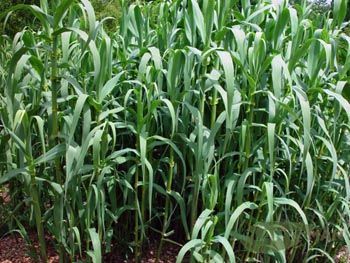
{"points": [[96, 254], [233, 218], [56, 152], [12, 174], [60, 12], [188, 246]]}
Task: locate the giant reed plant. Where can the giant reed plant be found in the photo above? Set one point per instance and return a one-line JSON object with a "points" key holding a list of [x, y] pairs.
{"points": [[216, 124]]}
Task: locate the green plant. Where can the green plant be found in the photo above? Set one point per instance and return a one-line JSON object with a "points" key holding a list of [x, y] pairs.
{"points": [[17, 21], [215, 123], [110, 9]]}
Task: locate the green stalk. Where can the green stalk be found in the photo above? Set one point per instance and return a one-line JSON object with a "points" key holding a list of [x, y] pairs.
{"points": [[37, 212], [194, 203], [55, 82], [202, 102], [167, 203], [248, 140], [143, 208], [247, 151], [214, 103], [197, 179], [136, 230], [202, 105], [138, 243]]}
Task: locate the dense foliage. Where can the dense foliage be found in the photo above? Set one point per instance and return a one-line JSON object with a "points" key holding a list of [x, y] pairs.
{"points": [[220, 125], [21, 19], [110, 9], [17, 21]]}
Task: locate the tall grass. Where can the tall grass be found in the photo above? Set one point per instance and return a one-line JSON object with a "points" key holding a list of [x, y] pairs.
{"points": [[221, 125]]}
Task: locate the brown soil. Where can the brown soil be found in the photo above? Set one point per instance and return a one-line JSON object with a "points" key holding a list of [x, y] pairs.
{"points": [[13, 249], [4, 195], [343, 256], [169, 253]]}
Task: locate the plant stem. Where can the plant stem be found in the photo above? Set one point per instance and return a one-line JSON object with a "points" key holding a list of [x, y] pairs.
{"points": [[139, 128], [167, 202], [37, 213], [197, 179], [213, 108], [136, 230], [55, 87], [53, 140]]}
